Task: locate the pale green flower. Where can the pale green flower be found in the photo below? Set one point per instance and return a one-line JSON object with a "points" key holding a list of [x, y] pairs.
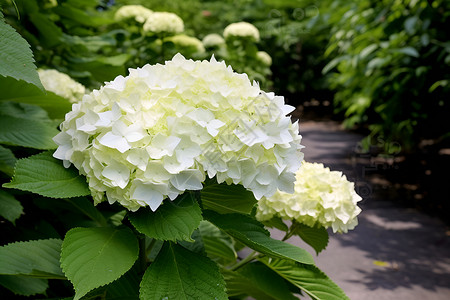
{"points": [[138, 12], [164, 22], [264, 57], [185, 41], [321, 197], [163, 128], [241, 29], [213, 40], [61, 84]]}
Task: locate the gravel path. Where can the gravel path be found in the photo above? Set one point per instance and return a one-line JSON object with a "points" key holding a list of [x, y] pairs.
{"points": [[394, 253]]}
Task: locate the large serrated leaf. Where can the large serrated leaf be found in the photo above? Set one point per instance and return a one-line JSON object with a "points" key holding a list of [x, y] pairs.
{"points": [[38, 259], [7, 161], [172, 221], [224, 198], [178, 273], [308, 278], [23, 92], [218, 245], [44, 175], [10, 208], [27, 132], [258, 281], [252, 233], [93, 257], [316, 237], [22, 285], [16, 58]]}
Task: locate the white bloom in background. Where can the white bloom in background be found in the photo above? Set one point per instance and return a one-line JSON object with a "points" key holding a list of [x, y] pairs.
{"points": [[241, 29], [164, 22], [321, 197], [185, 41], [61, 84], [213, 40], [264, 57], [163, 128], [138, 12]]}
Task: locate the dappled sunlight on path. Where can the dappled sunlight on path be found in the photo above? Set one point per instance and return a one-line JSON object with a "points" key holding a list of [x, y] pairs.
{"points": [[394, 252]]}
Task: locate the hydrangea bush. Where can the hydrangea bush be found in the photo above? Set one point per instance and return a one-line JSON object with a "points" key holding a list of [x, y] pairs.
{"points": [[157, 132], [61, 84], [184, 153]]}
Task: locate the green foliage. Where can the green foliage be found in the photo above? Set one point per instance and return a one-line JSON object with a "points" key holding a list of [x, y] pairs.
{"points": [[252, 234], [224, 198], [44, 175], [172, 221], [7, 161], [218, 245], [258, 281], [10, 208], [316, 237], [16, 58], [92, 257], [387, 59], [38, 259], [178, 273], [23, 285], [308, 278]]}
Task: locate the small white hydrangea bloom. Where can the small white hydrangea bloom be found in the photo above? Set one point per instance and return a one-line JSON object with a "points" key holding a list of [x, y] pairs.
{"points": [[213, 40], [241, 29], [264, 57], [164, 22], [321, 197], [138, 12], [159, 131], [61, 84], [185, 41]]}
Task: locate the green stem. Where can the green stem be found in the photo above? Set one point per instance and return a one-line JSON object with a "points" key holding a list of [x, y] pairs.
{"points": [[142, 255], [246, 260]]}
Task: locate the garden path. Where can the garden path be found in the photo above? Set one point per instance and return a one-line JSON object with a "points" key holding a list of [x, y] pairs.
{"points": [[394, 253]]}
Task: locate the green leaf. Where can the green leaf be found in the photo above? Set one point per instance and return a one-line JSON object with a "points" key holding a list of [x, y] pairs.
{"points": [[178, 273], [316, 237], [92, 257], [16, 58], [22, 285], [27, 132], [408, 51], [218, 245], [49, 33], [126, 287], [87, 207], [173, 220], [23, 92], [258, 281], [308, 278], [7, 161], [276, 222], [38, 259], [252, 233], [44, 175], [224, 198], [10, 208]]}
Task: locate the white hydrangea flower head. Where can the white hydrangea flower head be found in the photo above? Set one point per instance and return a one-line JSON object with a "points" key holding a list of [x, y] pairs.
{"points": [[241, 29], [321, 197], [185, 41], [138, 12], [264, 57], [61, 84], [164, 22], [163, 128], [213, 40]]}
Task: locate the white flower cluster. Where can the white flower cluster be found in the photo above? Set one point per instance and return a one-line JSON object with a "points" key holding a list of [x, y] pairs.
{"points": [[61, 84], [164, 22], [213, 40], [321, 197], [161, 129], [185, 41], [241, 29], [264, 57], [138, 12]]}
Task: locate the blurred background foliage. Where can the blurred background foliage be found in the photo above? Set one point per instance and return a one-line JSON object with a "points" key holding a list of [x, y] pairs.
{"points": [[382, 64]]}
